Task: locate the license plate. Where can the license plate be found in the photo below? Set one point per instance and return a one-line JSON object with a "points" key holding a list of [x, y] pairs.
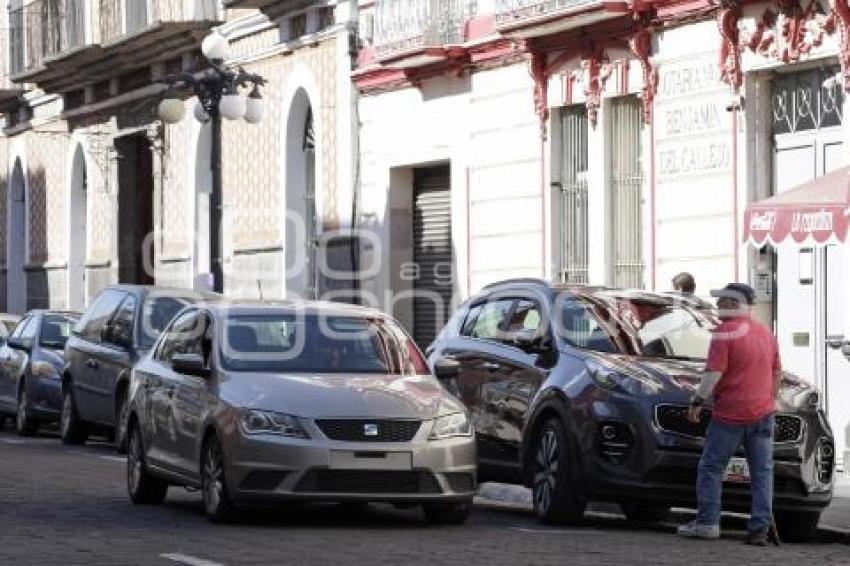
{"points": [[371, 460], [737, 471]]}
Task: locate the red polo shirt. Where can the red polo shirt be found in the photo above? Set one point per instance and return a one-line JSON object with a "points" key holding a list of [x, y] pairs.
{"points": [[746, 353]]}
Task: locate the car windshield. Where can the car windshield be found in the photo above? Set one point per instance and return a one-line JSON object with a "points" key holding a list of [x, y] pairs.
{"points": [[651, 328], [157, 312], [309, 343], [55, 329]]}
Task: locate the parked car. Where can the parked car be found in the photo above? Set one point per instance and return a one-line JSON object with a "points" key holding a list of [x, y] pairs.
{"points": [[119, 327], [31, 364], [258, 403], [581, 393]]}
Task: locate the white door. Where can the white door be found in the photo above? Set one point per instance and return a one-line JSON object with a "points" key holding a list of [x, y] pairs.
{"points": [[837, 370], [800, 157]]}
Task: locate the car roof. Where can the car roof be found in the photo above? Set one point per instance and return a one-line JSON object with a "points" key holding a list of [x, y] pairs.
{"points": [[328, 308], [581, 289], [54, 312], [163, 290]]}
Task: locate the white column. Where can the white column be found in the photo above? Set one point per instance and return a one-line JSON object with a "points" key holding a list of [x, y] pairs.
{"points": [[598, 181]]}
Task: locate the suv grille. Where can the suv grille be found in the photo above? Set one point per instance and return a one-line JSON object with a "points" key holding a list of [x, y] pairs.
{"points": [[674, 418], [367, 482], [362, 430]]}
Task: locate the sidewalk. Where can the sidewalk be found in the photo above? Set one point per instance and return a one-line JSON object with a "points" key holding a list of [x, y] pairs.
{"points": [[835, 521]]}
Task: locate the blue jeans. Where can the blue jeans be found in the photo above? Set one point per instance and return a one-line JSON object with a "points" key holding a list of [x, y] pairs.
{"points": [[721, 443]]}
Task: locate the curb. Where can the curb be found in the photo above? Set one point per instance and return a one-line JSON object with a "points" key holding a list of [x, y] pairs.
{"points": [[826, 533]]}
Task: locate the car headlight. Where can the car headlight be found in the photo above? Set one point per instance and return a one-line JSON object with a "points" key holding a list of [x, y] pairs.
{"points": [[449, 426], [635, 382], [267, 422], [44, 370]]}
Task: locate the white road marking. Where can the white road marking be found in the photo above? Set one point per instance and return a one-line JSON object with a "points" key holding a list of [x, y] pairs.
{"points": [[189, 560], [24, 441], [555, 531]]}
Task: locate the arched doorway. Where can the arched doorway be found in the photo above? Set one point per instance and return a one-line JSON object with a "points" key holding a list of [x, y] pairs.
{"points": [[16, 242], [300, 198], [77, 231], [201, 267]]}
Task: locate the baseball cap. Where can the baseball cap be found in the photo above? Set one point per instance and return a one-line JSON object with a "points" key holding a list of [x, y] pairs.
{"points": [[740, 292]]}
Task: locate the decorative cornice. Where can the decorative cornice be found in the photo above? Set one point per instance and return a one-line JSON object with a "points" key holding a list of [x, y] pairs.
{"points": [[730, 52]]}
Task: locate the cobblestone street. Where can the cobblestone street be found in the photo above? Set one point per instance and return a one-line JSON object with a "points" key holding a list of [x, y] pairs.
{"points": [[68, 506]]}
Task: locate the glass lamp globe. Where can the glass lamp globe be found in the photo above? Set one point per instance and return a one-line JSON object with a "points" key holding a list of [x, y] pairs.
{"points": [[215, 46], [232, 106], [199, 112], [255, 108], [171, 110]]}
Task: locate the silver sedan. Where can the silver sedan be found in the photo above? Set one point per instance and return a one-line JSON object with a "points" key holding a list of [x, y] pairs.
{"points": [[272, 402]]}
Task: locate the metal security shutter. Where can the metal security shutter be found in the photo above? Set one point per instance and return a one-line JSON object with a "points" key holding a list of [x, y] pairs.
{"points": [[626, 187], [573, 201], [432, 252]]}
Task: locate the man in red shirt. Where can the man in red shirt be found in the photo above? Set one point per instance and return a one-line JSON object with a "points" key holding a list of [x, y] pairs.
{"points": [[743, 373]]}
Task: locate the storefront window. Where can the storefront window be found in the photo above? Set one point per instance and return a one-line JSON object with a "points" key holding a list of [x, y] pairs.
{"points": [[809, 100]]}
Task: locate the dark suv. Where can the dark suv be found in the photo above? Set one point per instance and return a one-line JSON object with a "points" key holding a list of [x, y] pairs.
{"points": [[581, 393], [119, 327]]}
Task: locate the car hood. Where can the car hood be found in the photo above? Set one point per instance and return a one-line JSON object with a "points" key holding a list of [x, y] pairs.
{"points": [[340, 395], [677, 380]]}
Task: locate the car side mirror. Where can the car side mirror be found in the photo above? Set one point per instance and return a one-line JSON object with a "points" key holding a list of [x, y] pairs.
{"points": [[115, 335], [19, 344], [446, 368], [189, 364], [845, 349]]}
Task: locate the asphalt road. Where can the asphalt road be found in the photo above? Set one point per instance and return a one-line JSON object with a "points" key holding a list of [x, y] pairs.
{"points": [[68, 506]]}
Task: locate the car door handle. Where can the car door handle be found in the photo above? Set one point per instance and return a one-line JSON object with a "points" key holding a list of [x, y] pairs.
{"points": [[490, 366], [93, 364]]}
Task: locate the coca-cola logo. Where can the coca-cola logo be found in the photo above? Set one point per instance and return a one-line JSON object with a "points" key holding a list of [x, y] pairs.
{"points": [[762, 221]]}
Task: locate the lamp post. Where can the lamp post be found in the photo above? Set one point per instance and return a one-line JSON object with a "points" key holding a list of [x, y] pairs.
{"points": [[217, 92]]}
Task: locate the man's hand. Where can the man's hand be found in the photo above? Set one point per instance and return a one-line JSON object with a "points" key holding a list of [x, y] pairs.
{"points": [[694, 413]]}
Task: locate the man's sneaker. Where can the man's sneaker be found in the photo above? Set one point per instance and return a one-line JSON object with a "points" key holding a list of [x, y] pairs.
{"points": [[756, 538], [695, 530]]}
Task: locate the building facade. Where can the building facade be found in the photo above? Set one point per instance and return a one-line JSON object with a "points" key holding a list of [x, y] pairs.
{"points": [[99, 190], [613, 143]]}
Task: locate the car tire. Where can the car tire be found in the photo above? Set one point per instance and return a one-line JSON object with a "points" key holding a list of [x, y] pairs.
{"points": [[645, 512], [218, 506], [447, 513], [121, 416], [25, 424], [797, 526], [554, 497], [71, 428], [143, 487]]}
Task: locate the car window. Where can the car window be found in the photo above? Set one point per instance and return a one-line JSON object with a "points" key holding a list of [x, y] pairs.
{"points": [[469, 322], [526, 316], [55, 329], [16, 333], [318, 344], [96, 317], [581, 328], [27, 337], [492, 320], [157, 312], [123, 320], [189, 334]]}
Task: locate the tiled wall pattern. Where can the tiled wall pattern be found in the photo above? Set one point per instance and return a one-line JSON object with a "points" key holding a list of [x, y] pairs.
{"points": [[177, 220], [46, 156], [252, 154]]}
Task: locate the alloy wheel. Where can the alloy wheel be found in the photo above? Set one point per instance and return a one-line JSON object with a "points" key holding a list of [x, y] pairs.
{"points": [[212, 478], [65, 417], [546, 470], [21, 417], [134, 462]]}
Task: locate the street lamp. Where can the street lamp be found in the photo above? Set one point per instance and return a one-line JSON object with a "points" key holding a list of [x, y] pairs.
{"points": [[217, 92]]}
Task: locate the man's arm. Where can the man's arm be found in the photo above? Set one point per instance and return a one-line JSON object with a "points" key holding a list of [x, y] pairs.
{"points": [[706, 387]]}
